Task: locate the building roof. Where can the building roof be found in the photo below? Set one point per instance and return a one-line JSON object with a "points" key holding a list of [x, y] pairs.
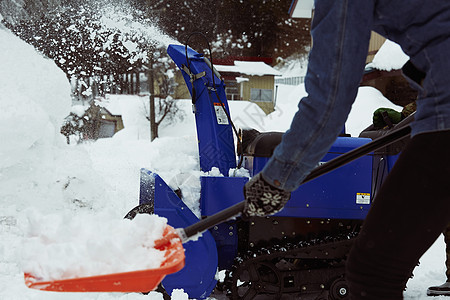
{"points": [[256, 68], [301, 8]]}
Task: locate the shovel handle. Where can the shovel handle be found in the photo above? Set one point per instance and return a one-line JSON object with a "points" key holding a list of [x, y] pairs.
{"points": [[213, 220], [331, 165]]}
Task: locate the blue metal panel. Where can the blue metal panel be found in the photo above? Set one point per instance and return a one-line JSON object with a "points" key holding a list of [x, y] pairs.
{"points": [[339, 194], [214, 132], [334, 195], [218, 193], [225, 235], [197, 278]]}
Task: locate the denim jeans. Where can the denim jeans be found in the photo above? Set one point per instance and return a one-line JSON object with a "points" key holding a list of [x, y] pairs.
{"points": [[341, 33]]}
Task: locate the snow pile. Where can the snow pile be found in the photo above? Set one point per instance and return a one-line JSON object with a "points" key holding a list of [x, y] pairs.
{"points": [[40, 172], [62, 246], [389, 57], [34, 97], [34, 164], [367, 101]]}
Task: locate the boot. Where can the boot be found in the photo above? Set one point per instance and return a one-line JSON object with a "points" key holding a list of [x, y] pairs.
{"points": [[441, 290]]}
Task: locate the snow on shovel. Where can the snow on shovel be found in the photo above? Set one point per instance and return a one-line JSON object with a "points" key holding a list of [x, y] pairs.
{"points": [[97, 254], [142, 280]]}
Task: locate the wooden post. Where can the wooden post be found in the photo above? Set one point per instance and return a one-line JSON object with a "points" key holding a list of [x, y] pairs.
{"points": [[151, 87], [138, 83]]}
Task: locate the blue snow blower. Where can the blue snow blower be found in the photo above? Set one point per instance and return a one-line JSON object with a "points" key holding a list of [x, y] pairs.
{"points": [[298, 252]]}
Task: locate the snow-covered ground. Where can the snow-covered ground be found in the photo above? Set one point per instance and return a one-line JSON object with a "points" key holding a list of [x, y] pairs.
{"points": [[42, 179]]}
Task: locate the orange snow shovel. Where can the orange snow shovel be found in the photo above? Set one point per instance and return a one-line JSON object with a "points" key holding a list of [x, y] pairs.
{"points": [[135, 281], [172, 240], [144, 280]]}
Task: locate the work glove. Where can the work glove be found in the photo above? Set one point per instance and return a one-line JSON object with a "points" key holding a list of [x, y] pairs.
{"points": [[386, 117], [262, 199]]}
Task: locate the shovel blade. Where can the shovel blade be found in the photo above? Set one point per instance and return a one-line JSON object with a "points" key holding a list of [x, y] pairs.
{"points": [[125, 282]]}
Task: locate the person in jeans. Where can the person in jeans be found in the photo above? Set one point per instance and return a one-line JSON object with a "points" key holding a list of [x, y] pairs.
{"points": [[412, 207], [443, 289]]}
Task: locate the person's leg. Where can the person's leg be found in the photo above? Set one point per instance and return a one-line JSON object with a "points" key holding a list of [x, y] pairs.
{"points": [[409, 212], [443, 289]]}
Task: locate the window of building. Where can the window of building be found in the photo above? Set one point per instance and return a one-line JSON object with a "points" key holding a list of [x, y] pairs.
{"points": [[261, 95], [232, 90]]}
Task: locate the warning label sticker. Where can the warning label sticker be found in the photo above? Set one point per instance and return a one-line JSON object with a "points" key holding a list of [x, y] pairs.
{"points": [[220, 114], [362, 198]]}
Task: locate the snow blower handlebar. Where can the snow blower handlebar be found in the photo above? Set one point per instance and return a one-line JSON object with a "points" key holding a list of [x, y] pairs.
{"points": [[236, 209]]}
